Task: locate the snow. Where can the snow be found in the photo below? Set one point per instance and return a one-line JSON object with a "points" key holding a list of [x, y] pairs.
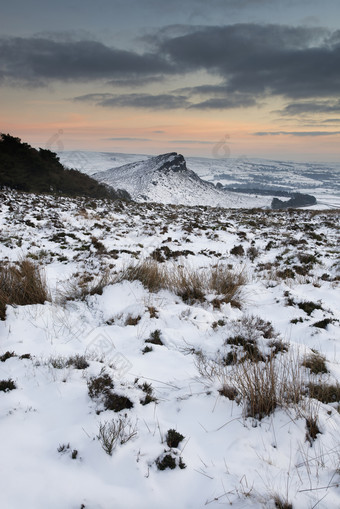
{"points": [[319, 179], [150, 180], [231, 459]]}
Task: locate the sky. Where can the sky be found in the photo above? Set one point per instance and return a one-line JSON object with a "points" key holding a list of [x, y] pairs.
{"points": [[252, 78]]}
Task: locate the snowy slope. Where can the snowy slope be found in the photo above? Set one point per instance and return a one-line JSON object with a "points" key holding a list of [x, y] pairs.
{"points": [[166, 179], [288, 307], [319, 179]]}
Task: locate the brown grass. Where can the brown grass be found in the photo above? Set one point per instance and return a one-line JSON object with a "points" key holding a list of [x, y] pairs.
{"points": [[190, 284], [150, 273], [261, 386], [21, 284], [84, 285], [267, 385], [316, 363]]}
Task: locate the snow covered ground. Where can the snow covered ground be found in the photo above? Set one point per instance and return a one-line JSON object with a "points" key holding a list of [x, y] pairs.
{"points": [[180, 359]]}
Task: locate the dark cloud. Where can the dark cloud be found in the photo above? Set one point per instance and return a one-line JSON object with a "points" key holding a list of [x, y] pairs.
{"points": [[219, 97], [331, 121], [38, 61], [308, 107], [252, 61], [263, 60], [296, 133], [226, 103], [147, 101], [136, 81]]}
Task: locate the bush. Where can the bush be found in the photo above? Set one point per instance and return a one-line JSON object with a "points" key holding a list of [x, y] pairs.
{"points": [[7, 385], [316, 363], [166, 462], [116, 403], [147, 349], [249, 346], [309, 307], [322, 324], [237, 250], [117, 431], [188, 284], [21, 284], [155, 338], [324, 392], [78, 362], [6, 355], [97, 386], [149, 397], [173, 438]]}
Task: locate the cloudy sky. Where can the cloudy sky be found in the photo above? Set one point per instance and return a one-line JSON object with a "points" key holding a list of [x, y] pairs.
{"points": [[260, 77]]}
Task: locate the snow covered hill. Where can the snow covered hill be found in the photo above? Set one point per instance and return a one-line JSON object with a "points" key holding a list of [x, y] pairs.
{"points": [[321, 180], [166, 179]]}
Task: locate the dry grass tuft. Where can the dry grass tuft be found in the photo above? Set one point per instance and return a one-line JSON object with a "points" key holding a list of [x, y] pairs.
{"points": [[21, 284], [261, 386], [84, 285], [191, 285], [149, 272]]}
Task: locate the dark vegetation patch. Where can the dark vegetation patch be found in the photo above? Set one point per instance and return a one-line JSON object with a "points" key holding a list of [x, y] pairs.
{"points": [[116, 402], [278, 346], [312, 429], [148, 390], [249, 346], [322, 324], [133, 320], [161, 254], [316, 363], [147, 349], [7, 385], [168, 461], [237, 250], [99, 385], [173, 438], [326, 393], [309, 306], [7, 355], [78, 362], [26, 169], [228, 391], [155, 338]]}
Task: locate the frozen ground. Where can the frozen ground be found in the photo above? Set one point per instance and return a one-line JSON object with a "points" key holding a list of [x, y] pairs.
{"points": [[283, 311]]}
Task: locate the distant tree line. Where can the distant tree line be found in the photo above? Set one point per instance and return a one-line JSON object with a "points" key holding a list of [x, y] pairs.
{"points": [[297, 200], [24, 168]]}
